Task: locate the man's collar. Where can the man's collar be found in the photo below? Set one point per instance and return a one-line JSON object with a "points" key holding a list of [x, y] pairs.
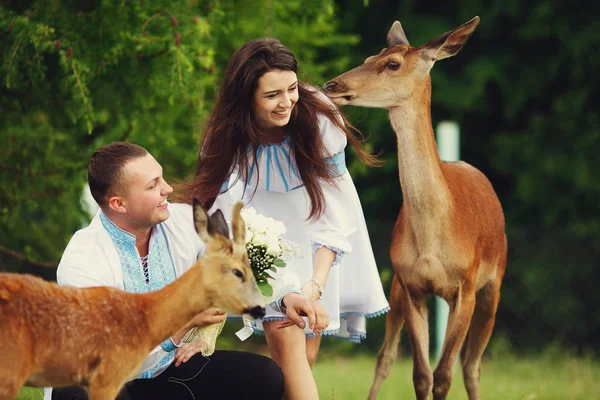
{"points": [[117, 232]]}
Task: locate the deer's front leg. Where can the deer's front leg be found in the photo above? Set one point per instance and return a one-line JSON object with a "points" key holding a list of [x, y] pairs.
{"points": [[415, 313], [461, 312]]}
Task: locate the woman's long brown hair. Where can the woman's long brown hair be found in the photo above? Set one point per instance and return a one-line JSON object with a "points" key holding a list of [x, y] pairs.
{"points": [[231, 129]]}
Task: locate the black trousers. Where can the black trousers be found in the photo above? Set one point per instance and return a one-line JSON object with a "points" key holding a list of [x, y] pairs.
{"points": [[224, 375]]}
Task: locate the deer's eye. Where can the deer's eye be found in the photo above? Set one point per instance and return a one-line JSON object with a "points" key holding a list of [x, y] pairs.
{"points": [[239, 274], [393, 65]]}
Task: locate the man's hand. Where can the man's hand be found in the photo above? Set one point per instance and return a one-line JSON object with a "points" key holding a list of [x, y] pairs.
{"points": [[187, 350], [298, 306]]}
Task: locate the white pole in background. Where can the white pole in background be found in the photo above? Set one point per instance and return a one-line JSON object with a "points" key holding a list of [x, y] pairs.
{"points": [[448, 143]]}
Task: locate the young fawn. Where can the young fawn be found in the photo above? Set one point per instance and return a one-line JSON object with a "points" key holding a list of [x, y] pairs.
{"points": [[449, 237], [98, 337]]}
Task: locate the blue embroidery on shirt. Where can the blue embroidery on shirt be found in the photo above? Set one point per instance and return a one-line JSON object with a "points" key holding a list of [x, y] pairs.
{"points": [[161, 266]]}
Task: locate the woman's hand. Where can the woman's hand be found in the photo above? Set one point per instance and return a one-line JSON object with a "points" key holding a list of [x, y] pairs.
{"points": [[298, 306], [207, 317], [187, 350]]}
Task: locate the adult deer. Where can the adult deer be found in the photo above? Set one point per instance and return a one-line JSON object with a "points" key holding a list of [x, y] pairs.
{"points": [[449, 237], [98, 337]]}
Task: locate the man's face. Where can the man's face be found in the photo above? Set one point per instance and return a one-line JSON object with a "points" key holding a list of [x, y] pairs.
{"points": [[145, 192]]}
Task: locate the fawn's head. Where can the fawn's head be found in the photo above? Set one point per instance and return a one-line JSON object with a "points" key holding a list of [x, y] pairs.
{"points": [[387, 79], [228, 279]]}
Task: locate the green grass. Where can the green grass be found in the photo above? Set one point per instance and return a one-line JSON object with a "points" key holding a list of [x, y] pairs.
{"points": [[28, 393], [548, 377], [544, 378]]}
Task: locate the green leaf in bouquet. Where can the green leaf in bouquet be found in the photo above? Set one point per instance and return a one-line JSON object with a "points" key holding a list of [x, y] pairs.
{"points": [[267, 275], [279, 263], [265, 289]]}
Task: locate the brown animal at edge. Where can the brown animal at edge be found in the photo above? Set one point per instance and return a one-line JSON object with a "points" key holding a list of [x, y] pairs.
{"points": [[98, 337], [449, 238]]}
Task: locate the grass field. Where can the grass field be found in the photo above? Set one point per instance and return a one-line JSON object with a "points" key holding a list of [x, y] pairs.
{"points": [[544, 378], [509, 379]]}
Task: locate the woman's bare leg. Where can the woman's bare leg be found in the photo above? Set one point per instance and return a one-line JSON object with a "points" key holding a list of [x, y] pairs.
{"points": [[312, 349], [288, 349]]}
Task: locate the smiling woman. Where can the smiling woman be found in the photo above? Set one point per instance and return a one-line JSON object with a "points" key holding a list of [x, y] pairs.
{"points": [[274, 100], [278, 144]]}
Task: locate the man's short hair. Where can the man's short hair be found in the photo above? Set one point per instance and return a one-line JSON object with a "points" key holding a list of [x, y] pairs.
{"points": [[105, 171]]}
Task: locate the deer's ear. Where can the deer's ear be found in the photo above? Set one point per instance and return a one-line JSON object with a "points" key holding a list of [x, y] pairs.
{"points": [[449, 43], [218, 225], [238, 225], [200, 221], [396, 35]]}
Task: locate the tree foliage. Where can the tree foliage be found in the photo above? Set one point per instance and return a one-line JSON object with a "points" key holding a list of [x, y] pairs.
{"points": [[76, 75]]}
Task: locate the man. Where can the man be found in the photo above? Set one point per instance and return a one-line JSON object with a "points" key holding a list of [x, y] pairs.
{"points": [[138, 242]]}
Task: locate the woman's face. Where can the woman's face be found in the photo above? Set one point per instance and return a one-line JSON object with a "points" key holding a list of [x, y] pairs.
{"points": [[274, 98]]}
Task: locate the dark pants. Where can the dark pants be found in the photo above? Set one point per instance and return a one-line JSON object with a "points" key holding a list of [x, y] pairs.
{"points": [[224, 375]]}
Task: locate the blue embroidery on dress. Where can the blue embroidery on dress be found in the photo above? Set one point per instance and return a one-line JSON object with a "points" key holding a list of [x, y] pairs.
{"points": [[339, 254], [276, 178], [337, 164], [161, 267], [268, 168], [292, 165]]}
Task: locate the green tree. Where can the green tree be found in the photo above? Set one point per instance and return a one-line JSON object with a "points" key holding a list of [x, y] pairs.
{"points": [[76, 75]]}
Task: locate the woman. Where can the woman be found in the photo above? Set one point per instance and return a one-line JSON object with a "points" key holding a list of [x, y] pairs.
{"points": [[278, 144]]}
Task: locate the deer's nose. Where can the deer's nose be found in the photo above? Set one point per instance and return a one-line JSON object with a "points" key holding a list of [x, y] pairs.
{"points": [[329, 86], [255, 312]]}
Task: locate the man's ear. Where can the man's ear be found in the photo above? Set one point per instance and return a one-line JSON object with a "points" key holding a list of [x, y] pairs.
{"points": [[116, 204]]}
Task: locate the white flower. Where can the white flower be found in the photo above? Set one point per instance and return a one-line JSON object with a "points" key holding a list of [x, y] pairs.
{"points": [[273, 245], [259, 239]]}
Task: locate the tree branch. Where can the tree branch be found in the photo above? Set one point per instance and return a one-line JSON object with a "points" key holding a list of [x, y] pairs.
{"points": [[22, 257]]}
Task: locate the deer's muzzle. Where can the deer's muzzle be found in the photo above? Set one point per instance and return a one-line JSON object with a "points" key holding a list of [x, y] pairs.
{"points": [[255, 312]]}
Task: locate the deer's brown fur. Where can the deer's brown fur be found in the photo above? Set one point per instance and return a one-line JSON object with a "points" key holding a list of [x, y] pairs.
{"points": [[98, 337], [449, 237]]}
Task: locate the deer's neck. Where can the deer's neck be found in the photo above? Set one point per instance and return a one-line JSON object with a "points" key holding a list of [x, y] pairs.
{"points": [[423, 185], [170, 308]]}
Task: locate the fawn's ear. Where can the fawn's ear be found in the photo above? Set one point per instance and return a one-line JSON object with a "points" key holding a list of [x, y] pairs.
{"points": [[449, 43], [200, 221], [396, 35], [218, 225], [238, 225]]}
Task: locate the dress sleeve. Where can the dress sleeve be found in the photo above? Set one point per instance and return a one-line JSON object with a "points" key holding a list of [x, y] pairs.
{"points": [[338, 221]]}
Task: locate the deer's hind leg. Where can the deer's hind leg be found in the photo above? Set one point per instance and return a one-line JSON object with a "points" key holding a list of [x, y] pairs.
{"points": [[389, 350], [478, 337], [461, 312], [480, 331]]}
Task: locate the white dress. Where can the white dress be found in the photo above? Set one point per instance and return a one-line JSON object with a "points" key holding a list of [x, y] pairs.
{"points": [[353, 291]]}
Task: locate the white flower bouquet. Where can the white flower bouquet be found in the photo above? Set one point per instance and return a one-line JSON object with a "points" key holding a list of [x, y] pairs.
{"points": [[267, 251]]}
